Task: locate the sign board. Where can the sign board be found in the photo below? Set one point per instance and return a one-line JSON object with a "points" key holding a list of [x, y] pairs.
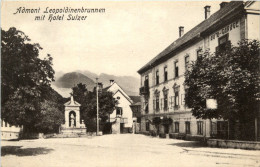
{"points": [[211, 104]]}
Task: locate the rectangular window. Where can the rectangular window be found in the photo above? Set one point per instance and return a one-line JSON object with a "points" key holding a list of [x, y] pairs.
{"points": [[199, 51], [176, 99], [171, 103], [223, 39], [187, 127], [119, 111], [222, 43], [157, 77], [157, 103], [147, 126], [165, 74], [176, 68], [146, 107], [176, 125], [165, 101], [161, 103], [200, 127], [187, 61], [5, 124], [146, 82]]}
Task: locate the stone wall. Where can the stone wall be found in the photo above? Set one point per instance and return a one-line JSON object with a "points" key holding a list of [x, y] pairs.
{"points": [[234, 144]]}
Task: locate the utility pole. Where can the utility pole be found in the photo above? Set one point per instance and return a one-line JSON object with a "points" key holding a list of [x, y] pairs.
{"points": [[97, 107]]}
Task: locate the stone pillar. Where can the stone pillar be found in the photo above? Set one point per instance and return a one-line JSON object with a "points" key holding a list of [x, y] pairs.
{"points": [[77, 119], [67, 118]]}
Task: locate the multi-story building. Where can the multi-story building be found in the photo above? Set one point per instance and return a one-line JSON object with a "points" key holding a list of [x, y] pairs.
{"points": [[162, 79]]}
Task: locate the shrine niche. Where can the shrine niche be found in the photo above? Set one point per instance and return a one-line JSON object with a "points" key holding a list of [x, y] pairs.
{"points": [[72, 115]]}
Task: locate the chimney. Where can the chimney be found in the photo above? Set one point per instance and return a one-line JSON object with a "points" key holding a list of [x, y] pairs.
{"points": [[222, 4], [111, 82], [181, 31], [207, 11]]}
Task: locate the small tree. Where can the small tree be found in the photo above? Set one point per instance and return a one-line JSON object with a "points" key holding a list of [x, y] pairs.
{"points": [[88, 102], [232, 78]]}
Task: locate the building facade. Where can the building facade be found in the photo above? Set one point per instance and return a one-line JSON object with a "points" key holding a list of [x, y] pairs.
{"points": [[122, 116], [10, 132], [162, 79]]}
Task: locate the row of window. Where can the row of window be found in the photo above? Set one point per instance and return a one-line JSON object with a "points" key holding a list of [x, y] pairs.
{"points": [[176, 68], [159, 104], [222, 43], [166, 102], [177, 127]]}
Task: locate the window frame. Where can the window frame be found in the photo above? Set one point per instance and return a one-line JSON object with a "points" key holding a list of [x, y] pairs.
{"points": [[200, 127], [186, 63], [176, 98], [165, 101], [176, 69], [157, 77], [187, 127], [176, 130], [157, 102], [165, 74]]}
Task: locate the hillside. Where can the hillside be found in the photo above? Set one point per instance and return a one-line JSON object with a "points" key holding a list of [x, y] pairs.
{"points": [[69, 80]]}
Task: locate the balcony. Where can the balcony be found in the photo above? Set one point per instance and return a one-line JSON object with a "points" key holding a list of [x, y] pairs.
{"points": [[144, 90]]}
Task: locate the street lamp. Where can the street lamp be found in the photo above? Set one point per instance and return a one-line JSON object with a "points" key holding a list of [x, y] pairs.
{"points": [[97, 106]]}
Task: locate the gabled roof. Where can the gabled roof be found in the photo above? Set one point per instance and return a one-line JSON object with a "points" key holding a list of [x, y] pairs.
{"points": [[72, 103], [123, 95], [230, 10]]}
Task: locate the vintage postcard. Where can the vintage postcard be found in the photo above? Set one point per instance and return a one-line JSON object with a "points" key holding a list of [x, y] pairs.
{"points": [[130, 83]]}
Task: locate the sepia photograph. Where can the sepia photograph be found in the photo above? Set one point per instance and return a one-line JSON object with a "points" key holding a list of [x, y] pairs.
{"points": [[130, 83]]}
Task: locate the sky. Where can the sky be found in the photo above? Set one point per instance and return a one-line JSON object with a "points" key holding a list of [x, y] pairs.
{"points": [[117, 42]]}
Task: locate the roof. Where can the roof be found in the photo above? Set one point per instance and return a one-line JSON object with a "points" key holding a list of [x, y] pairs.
{"points": [[72, 103], [135, 99], [230, 10], [106, 88], [136, 104], [123, 95]]}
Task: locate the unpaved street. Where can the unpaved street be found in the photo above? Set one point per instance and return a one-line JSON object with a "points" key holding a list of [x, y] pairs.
{"points": [[121, 151]]}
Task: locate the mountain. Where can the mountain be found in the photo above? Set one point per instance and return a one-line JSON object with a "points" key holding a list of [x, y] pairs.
{"points": [[128, 83], [65, 81], [69, 80]]}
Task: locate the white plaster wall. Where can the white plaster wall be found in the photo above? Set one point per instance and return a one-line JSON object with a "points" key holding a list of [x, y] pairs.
{"points": [[234, 36], [127, 112], [253, 23], [115, 87]]}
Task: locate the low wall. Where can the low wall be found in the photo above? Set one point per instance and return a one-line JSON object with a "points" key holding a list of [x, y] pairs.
{"points": [[251, 145], [10, 135]]}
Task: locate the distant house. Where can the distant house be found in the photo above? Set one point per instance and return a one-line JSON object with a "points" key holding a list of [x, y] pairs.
{"points": [[10, 132], [136, 110], [122, 116]]}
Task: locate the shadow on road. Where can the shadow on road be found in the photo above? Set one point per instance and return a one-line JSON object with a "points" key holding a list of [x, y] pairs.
{"points": [[18, 151], [192, 144]]}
